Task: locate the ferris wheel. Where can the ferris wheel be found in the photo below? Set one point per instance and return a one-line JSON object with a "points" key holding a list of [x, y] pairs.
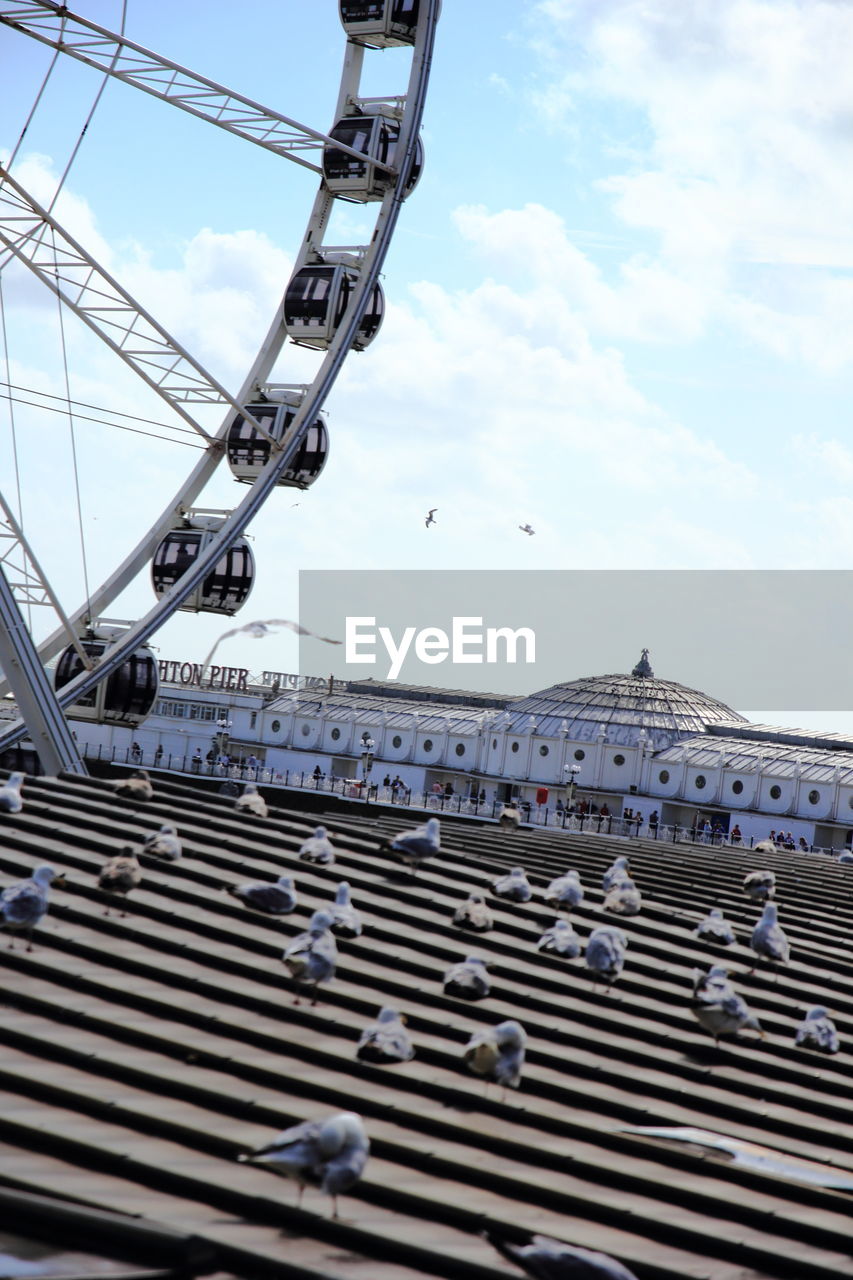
{"points": [[271, 434]]}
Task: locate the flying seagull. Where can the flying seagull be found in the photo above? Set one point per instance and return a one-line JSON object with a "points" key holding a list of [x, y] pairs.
{"points": [[525, 528], [431, 517], [257, 630]]}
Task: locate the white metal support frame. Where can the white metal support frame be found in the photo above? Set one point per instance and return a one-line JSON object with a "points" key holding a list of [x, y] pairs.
{"points": [[259, 373], [55, 25]]}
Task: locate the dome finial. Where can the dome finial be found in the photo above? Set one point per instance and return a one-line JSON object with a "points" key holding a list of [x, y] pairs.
{"points": [[643, 667]]}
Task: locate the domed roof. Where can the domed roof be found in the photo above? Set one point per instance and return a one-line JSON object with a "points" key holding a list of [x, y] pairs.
{"points": [[623, 705]]}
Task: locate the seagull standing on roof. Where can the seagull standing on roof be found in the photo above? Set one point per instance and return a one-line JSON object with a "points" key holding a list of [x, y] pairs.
{"points": [[23, 904], [275, 899], [312, 956], [330, 1154], [760, 885], [414, 847], [346, 922], [251, 801], [474, 914], [10, 794], [817, 1031], [317, 848], [468, 980], [715, 928], [624, 899], [430, 519], [565, 892], [605, 953], [136, 787], [717, 1005], [617, 871], [515, 886], [546, 1259], [560, 940], [163, 843], [120, 874], [498, 1053], [525, 528], [768, 937], [386, 1039]]}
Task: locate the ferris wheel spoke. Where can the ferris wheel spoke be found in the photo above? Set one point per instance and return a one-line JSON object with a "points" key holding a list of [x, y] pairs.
{"points": [[99, 301], [54, 25]]}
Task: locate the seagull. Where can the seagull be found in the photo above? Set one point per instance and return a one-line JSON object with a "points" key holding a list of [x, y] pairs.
{"points": [[498, 1053], [560, 940], [474, 914], [715, 928], [431, 517], [136, 787], [251, 801], [565, 891], [618, 870], [23, 904], [605, 953], [10, 794], [760, 885], [515, 886], [525, 528], [330, 1154], [311, 957], [414, 847], [346, 922], [719, 1009], [546, 1259], [257, 630], [120, 874], [510, 818], [468, 979], [276, 899], [768, 937], [817, 1031], [624, 899], [386, 1039], [317, 848], [163, 843]]}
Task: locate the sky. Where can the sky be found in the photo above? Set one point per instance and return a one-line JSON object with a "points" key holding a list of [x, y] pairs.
{"points": [[619, 300]]}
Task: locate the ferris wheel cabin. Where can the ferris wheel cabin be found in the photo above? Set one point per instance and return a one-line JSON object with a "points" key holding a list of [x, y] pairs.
{"points": [[224, 590], [376, 138], [316, 301], [248, 452], [382, 23], [127, 696]]}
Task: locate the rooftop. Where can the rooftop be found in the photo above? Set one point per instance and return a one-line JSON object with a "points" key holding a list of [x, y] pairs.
{"points": [[143, 1053]]}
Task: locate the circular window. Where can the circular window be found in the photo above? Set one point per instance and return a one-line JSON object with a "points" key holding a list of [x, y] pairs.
{"points": [[775, 792], [275, 727], [396, 741], [814, 797], [305, 730], [335, 734], [515, 746], [543, 751], [428, 744], [700, 781], [619, 759], [580, 755], [460, 748], [737, 786], [663, 776]]}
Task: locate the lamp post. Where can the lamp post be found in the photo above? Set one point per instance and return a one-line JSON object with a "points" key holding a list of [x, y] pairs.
{"points": [[571, 771], [367, 748], [222, 736]]}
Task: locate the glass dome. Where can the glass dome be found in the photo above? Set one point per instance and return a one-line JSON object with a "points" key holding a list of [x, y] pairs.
{"points": [[624, 705]]}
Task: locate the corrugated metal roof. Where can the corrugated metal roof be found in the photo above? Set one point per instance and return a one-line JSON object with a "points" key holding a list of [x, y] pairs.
{"points": [[780, 759], [142, 1054]]}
